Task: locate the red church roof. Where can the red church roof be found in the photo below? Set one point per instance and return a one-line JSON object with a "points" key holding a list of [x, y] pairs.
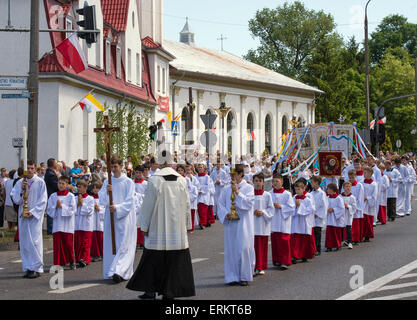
{"points": [[149, 43], [115, 13]]}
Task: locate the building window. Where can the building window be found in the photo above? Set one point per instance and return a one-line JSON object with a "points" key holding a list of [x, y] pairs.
{"points": [[164, 82], [68, 26], [108, 53], [250, 128], [268, 133], [98, 51], [158, 81], [133, 19], [138, 64], [284, 125], [129, 65], [118, 62]]}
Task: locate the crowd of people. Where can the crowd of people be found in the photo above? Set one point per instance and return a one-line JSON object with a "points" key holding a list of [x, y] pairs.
{"points": [[270, 201]]}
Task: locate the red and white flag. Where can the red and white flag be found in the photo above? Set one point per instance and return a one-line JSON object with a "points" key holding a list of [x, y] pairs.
{"points": [[71, 50]]}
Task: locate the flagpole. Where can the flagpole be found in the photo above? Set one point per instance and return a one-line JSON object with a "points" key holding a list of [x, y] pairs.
{"points": [[91, 91]]}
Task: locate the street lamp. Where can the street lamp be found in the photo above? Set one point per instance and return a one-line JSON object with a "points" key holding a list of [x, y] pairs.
{"points": [[368, 102], [223, 111]]}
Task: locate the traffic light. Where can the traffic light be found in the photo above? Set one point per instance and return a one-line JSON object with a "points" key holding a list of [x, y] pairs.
{"points": [[89, 23], [152, 131]]}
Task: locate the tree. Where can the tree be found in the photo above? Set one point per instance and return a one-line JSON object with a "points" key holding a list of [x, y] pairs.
{"points": [[394, 77], [288, 35], [132, 139], [394, 32]]}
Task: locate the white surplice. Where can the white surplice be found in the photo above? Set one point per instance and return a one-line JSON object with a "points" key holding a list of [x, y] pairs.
{"points": [[30, 229], [321, 205], [350, 210], [281, 221], [63, 218], [262, 224], [239, 251], [303, 216], [124, 227], [337, 217]]}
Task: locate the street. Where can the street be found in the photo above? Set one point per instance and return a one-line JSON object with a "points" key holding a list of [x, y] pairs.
{"points": [[326, 277]]}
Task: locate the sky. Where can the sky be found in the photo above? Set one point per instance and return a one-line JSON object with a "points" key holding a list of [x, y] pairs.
{"points": [[209, 20]]}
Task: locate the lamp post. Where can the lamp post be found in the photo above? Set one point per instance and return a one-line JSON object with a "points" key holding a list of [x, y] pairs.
{"points": [[367, 67], [223, 111]]}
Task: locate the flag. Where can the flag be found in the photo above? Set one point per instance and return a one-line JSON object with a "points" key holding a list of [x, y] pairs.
{"points": [[89, 102], [253, 136], [71, 50], [372, 125]]}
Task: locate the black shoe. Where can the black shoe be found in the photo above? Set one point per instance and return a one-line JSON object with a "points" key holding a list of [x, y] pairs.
{"points": [[201, 227], [243, 283], [276, 264], [94, 259], [117, 278], [304, 260], [148, 296], [33, 275], [293, 261], [208, 225], [366, 240], [72, 266], [81, 264], [232, 284], [26, 274], [317, 254], [328, 250]]}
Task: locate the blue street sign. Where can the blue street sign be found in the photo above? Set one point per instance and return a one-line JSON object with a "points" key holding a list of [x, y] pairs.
{"points": [[23, 95]]}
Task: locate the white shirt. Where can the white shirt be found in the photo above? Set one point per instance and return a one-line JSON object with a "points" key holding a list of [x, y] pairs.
{"points": [[281, 221], [337, 217], [84, 220], [262, 224], [321, 204], [303, 216], [63, 218]]}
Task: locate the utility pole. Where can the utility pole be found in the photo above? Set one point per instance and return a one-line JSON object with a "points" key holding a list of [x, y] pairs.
{"points": [[367, 67], [9, 20], [33, 82], [221, 39]]}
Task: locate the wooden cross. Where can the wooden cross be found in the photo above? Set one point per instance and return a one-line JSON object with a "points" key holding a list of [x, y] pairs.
{"points": [[107, 131]]}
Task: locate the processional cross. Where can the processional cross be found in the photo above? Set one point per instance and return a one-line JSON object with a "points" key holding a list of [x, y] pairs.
{"points": [[107, 131]]}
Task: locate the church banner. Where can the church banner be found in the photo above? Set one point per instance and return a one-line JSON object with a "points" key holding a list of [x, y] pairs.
{"points": [[306, 145], [319, 133], [163, 103], [340, 143], [330, 164], [344, 130]]}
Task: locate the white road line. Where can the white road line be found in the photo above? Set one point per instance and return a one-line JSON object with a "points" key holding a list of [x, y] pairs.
{"points": [[398, 286], [17, 261], [198, 260], [378, 283], [75, 288], [47, 252], [410, 275], [397, 296], [1, 268]]}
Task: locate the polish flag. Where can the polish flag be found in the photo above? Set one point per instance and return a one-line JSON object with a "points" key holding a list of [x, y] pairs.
{"points": [[71, 50]]}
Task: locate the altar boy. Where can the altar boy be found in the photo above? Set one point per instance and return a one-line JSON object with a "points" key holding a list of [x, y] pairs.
{"points": [[281, 224], [350, 209], [98, 225], [370, 204], [83, 225], [140, 188], [302, 246], [320, 213], [263, 213], [61, 208], [335, 219]]}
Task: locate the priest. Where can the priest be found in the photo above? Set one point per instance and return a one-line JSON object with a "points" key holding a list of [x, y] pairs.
{"points": [[165, 267], [119, 267], [239, 251], [30, 227]]}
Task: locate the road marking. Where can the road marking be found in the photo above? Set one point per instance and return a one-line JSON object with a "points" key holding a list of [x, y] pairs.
{"points": [[47, 252], [75, 288], [17, 261], [1, 268], [398, 286], [198, 260], [378, 283], [410, 275], [397, 296]]}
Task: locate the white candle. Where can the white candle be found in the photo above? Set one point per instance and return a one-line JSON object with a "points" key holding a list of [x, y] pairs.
{"points": [[25, 151]]}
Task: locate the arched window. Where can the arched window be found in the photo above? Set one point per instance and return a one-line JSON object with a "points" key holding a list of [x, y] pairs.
{"points": [[250, 128], [229, 125], [268, 133], [284, 125]]}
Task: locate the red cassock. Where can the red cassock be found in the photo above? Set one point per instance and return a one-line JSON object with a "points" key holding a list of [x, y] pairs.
{"points": [[261, 252], [202, 213], [140, 239], [382, 214], [368, 226], [97, 244], [302, 246], [63, 248], [333, 237], [192, 219], [357, 230], [281, 248], [210, 215], [82, 245], [16, 235]]}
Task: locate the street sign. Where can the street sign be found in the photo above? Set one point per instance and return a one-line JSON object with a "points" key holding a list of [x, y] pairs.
{"points": [[13, 83], [23, 95], [208, 120], [212, 139], [398, 144], [17, 142]]}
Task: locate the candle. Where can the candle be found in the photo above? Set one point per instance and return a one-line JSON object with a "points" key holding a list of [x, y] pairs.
{"points": [[234, 144], [25, 151]]}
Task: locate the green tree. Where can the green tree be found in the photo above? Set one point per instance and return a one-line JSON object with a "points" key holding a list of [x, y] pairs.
{"points": [[394, 77], [288, 35], [393, 32]]}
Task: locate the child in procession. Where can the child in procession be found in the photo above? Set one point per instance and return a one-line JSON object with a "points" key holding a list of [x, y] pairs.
{"points": [[263, 213], [321, 205], [350, 209], [370, 204], [335, 219], [98, 225]]}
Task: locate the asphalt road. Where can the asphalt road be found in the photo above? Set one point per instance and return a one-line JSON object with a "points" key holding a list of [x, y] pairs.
{"points": [[326, 277]]}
